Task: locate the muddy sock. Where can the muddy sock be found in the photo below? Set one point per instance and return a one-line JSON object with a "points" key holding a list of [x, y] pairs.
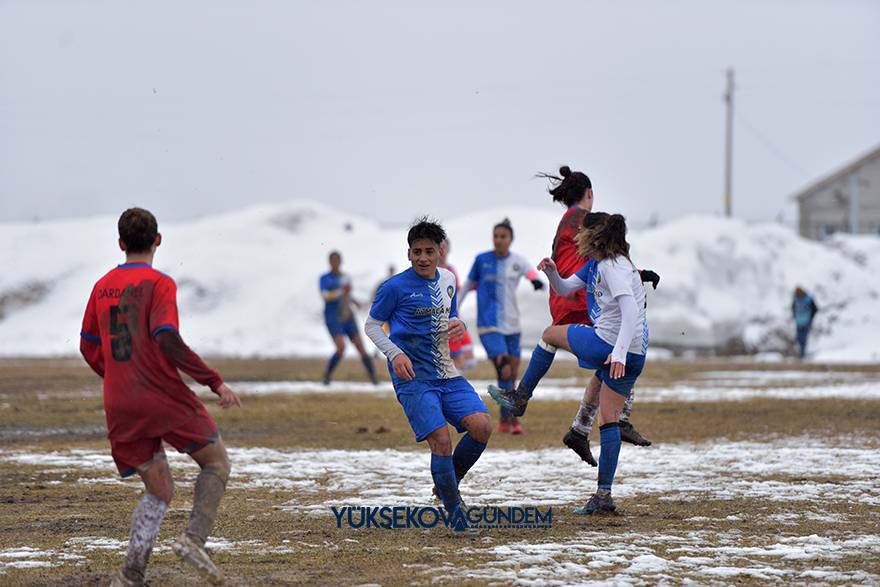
{"points": [[145, 524], [210, 485], [583, 422], [626, 412]]}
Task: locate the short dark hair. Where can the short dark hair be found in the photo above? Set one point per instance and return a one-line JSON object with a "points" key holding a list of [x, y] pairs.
{"points": [[425, 228], [334, 254], [569, 186], [504, 224], [138, 229]]}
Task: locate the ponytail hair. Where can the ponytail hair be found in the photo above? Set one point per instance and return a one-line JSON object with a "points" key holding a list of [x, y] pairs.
{"points": [[604, 240], [568, 187]]}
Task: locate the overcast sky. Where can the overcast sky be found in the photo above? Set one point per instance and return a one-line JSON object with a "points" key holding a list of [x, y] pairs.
{"points": [[391, 109]]}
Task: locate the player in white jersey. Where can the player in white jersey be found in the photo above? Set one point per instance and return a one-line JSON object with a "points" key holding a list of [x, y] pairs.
{"points": [[495, 275], [615, 347]]}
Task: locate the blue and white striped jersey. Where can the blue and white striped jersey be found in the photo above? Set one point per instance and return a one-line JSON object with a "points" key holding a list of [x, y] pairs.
{"points": [[496, 279]]}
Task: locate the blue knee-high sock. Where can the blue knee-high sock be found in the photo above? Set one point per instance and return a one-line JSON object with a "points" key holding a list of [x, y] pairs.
{"points": [[609, 438], [443, 472], [539, 364], [466, 453], [331, 365], [368, 365]]}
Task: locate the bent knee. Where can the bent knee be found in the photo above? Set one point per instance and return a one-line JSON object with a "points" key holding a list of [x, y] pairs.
{"points": [[481, 429]]}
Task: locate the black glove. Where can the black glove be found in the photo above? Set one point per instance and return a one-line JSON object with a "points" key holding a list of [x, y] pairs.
{"points": [[649, 276], [538, 284]]}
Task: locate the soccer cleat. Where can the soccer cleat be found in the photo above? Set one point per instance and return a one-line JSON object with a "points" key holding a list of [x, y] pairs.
{"points": [[120, 580], [509, 399], [193, 554], [516, 428], [629, 434], [600, 503], [505, 427], [580, 444]]}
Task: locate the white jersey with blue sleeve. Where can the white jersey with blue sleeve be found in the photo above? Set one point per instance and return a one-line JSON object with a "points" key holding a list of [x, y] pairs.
{"points": [[496, 279], [612, 278], [418, 311]]}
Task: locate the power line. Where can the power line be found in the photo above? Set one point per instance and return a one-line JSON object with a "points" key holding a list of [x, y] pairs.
{"points": [[770, 146]]}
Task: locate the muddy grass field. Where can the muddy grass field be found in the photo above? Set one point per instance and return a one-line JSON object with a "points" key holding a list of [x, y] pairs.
{"points": [[759, 473]]}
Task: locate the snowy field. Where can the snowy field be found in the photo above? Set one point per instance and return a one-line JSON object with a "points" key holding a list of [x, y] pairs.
{"points": [[757, 476], [247, 280], [782, 473]]}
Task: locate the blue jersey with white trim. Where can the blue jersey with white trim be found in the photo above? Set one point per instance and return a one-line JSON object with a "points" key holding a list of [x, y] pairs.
{"points": [[605, 280], [418, 311], [496, 279]]}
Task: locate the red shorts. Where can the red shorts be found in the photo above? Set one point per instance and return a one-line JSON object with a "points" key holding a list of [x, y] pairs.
{"points": [[192, 436], [457, 346], [577, 317]]}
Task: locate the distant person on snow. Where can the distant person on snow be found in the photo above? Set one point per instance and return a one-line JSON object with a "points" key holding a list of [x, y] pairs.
{"points": [[339, 317], [130, 338], [803, 309]]}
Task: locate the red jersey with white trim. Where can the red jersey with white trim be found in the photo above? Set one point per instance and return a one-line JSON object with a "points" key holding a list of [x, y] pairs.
{"points": [[570, 309], [144, 395]]}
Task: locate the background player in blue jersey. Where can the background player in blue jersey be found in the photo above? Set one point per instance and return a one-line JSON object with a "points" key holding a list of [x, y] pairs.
{"points": [[617, 344], [495, 275], [420, 304], [339, 317]]}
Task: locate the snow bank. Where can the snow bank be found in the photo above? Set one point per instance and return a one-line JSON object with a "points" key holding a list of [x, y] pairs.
{"points": [[247, 280]]}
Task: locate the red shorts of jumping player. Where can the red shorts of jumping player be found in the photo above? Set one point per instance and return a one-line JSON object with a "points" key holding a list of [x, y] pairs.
{"points": [[193, 435]]}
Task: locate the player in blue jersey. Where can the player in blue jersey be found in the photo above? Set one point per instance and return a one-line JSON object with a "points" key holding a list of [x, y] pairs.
{"points": [[615, 347], [495, 275], [420, 304], [339, 317]]}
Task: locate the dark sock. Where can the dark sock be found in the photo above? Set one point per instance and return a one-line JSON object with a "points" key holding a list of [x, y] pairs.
{"points": [[539, 364], [466, 453], [443, 472], [331, 365], [609, 437], [368, 365]]}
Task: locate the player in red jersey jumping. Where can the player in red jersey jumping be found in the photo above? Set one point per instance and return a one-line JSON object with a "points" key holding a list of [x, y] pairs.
{"points": [[130, 338], [574, 190]]}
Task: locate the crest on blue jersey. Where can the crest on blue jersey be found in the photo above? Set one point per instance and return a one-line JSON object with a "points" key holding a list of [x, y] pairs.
{"points": [[450, 290]]}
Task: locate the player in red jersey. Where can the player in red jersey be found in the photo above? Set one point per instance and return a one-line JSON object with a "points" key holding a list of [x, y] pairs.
{"points": [[575, 190], [461, 350], [130, 338]]}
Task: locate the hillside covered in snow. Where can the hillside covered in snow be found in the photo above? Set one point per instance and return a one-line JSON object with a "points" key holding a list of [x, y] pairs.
{"points": [[248, 280]]}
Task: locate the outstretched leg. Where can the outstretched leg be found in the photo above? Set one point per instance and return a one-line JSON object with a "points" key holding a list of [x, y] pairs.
{"points": [[542, 358]]}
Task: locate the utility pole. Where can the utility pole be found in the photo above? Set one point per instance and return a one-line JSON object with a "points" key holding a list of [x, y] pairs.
{"points": [[728, 147]]}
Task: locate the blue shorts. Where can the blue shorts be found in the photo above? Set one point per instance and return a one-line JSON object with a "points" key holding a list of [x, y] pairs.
{"points": [[429, 405], [497, 344], [592, 352], [348, 328]]}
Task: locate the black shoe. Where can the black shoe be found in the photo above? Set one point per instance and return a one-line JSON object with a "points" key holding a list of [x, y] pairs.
{"points": [[629, 434], [579, 444], [600, 503], [509, 399]]}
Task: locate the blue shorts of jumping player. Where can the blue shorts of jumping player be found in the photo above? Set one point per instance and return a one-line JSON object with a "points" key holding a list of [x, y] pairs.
{"points": [[348, 328], [592, 352], [497, 344], [430, 404]]}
